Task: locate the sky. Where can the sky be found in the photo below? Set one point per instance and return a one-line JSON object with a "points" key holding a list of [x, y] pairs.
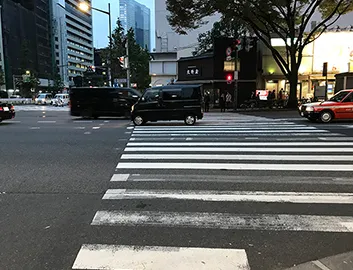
{"points": [[100, 20]]}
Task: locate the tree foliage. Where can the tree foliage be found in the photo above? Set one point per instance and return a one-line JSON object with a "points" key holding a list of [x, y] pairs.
{"points": [[139, 62], [287, 19], [224, 28], [138, 57], [2, 77]]}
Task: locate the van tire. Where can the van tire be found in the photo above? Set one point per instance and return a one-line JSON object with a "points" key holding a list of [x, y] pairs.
{"points": [[190, 119], [138, 120]]}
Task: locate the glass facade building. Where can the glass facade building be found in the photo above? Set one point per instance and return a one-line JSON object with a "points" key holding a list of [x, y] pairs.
{"points": [[138, 17]]}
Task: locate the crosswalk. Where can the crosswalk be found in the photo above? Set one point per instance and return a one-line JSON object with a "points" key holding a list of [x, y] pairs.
{"points": [[49, 108], [174, 178]]}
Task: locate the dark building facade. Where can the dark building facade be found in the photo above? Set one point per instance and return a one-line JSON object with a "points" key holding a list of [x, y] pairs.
{"points": [[211, 70], [27, 39]]}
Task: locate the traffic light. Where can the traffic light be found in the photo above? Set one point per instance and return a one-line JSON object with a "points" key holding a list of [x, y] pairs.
{"points": [[229, 78], [122, 61]]}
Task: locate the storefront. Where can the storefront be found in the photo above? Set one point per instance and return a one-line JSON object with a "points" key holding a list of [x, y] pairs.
{"points": [[334, 47], [212, 70]]}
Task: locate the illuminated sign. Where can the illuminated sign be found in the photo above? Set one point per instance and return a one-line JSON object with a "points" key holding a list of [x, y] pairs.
{"points": [[335, 48]]}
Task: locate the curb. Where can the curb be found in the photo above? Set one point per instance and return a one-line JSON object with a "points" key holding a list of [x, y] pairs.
{"points": [[342, 261]]}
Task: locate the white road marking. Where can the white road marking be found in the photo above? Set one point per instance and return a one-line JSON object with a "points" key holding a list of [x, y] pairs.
{"points": [[240, 149], [231, 196], [79, 127], [34, 128], [46, 122], [228, 128], [127, 132], [236, 166], [96, 127], [130, 128], [83, 121], [87, 133], [14, 121], [240, 144], [119, 177], [233, 131], [159, 258], [226, 221], [106, 121], [165, 135], [238, 157]]}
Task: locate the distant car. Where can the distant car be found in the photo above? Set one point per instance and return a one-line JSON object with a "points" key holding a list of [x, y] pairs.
{"points": [[15, 96], [43, 99], [340, 106], [61, 100], [7, 111]]}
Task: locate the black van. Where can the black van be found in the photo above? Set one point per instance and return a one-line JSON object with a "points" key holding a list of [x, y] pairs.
{"points": [[171, 102], [102, 101]]}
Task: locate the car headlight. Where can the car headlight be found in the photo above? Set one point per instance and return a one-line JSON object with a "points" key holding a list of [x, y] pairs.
{"points": [[309, 109], [300, 107], [132, 108]]}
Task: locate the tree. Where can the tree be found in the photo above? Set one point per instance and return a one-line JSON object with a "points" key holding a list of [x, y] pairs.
{"points": [[58, 84], [117, 50], [29, 85], [224, 28], [286, 19], [139, 62], [2, 77]]}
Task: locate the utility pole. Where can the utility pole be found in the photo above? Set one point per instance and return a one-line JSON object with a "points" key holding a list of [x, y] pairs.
{"points": [[110, 48], [127, 63], [236, 74]]}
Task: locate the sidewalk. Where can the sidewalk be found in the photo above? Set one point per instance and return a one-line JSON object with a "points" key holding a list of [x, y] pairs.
{"points": [[342, 261]]}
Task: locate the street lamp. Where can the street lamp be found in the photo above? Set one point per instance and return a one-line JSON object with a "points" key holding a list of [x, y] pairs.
{"points": [[84, 6]]}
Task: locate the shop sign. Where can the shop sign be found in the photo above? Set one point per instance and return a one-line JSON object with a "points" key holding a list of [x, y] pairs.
{"points": [[193, 71]]}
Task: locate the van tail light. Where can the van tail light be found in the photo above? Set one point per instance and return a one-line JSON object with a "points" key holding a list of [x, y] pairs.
{"points": [[1, 109], [12, 108]]}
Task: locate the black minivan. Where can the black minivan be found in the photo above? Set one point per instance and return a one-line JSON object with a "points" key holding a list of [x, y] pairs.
{"points": [[102, 101], [171, 102]]}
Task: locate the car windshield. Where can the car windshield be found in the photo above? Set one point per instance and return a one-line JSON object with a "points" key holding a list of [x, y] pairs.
{"points": [[339, 96], [41, 96]]}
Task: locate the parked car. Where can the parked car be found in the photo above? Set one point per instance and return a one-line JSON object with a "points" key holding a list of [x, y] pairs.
{"points": [[43, 99], [61, 100], [7, 111], [340, 106], [102, 101], [171, 102]]}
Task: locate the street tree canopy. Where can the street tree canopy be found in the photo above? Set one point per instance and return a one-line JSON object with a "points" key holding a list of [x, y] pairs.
{"points": [[223, 28], [289, 20]]}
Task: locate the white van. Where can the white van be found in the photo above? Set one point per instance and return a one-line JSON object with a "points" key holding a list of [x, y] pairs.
{"points": [[44, 98], [61, 100]]}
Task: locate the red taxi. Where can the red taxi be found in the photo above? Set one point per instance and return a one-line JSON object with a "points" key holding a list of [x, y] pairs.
{"points": [[340, 106]]}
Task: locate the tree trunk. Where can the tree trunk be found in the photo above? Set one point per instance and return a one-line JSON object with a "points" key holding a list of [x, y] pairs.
{"points": [[293, 81]]}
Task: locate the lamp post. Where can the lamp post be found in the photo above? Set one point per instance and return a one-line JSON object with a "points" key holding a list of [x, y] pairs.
{"points": [[84, 6]]}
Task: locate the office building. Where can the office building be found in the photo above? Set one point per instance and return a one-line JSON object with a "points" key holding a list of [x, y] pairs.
{"points": [[136, 16], [73, 39], [26, 41]]}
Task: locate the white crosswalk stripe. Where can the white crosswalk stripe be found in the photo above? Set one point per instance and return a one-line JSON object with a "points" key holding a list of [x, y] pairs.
{"points": [[48, 108], [160, 162]]}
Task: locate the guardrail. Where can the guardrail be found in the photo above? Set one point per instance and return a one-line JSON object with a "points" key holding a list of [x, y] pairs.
{"points": [[17, 100]]}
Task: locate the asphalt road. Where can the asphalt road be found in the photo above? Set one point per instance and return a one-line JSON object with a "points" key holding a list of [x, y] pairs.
{"points": [[55, 170]]}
